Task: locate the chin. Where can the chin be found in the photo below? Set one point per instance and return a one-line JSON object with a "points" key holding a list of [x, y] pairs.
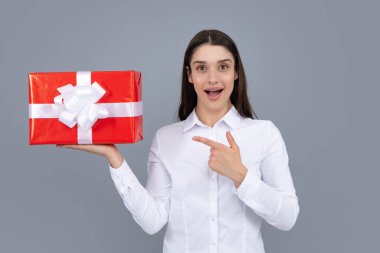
{"points": [[216, 106]]}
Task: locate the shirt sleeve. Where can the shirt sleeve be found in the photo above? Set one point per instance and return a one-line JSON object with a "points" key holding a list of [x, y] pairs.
{"points": [[272, 196], [149, 206]]}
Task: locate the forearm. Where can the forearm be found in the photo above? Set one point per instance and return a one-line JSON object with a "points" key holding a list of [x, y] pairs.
{"points": [[148, 208], [280, 209]]}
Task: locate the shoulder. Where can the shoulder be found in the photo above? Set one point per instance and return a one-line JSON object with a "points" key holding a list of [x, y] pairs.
{"points": [[170, 130], [259, 128], [166, 138], [261, 125]]}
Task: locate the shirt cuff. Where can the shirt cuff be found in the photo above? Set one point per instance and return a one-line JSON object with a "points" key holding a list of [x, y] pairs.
{"points": [[123, 173], [249, 187]]}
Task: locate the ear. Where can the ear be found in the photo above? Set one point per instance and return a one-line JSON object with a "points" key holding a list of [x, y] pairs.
{"points": [[189, 75], [236, 75]]}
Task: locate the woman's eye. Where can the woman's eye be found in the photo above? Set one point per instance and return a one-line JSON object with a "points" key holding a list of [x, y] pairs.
{"points": [[201, 68], [223, 67]]}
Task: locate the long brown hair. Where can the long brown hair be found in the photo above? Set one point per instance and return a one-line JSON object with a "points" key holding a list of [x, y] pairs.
{"points": [[239, 97]]}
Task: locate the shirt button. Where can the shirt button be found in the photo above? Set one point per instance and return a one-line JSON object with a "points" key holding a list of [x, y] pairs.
{"points": [[213, 218], [213, 175]]}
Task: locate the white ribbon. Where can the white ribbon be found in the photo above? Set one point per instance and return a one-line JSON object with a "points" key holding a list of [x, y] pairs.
{"points": [[77, 105]]}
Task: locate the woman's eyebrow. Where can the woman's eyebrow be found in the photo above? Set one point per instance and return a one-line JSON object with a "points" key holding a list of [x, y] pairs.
{"points": [[225, 60], [203, 62], [200, 62]]}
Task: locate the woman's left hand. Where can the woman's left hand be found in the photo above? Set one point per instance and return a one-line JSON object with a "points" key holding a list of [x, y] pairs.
{"points": [[225, 160]]}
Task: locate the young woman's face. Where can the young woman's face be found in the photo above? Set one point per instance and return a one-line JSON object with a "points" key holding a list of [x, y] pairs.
{"points": [[213, 75]]}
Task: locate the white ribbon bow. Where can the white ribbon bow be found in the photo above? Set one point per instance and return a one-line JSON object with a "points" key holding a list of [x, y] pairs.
{"points": [[80, 106]]}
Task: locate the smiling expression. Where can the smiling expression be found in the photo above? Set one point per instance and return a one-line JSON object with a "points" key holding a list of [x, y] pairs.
{"points": [[213, 75]]}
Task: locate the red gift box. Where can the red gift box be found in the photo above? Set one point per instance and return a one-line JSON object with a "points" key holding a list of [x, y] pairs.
{"points": [[85, 107]]}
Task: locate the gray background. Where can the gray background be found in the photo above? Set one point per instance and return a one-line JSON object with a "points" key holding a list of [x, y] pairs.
{"points": [[312, 68]]}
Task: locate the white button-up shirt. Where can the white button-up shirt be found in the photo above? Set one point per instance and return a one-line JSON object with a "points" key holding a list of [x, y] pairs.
{"points": [[203, 210]]}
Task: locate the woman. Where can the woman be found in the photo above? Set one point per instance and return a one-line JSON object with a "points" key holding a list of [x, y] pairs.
{"points": [[213, 176]]}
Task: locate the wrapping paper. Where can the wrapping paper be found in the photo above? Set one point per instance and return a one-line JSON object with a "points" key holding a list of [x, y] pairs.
{"points": [[85, 107]]}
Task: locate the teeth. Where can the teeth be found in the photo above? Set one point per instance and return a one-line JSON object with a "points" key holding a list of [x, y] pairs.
{"points": [[208, 91], [213, 91]]}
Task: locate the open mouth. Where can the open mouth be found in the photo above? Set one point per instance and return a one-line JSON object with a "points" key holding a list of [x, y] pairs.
{"points": [[214, 92]]}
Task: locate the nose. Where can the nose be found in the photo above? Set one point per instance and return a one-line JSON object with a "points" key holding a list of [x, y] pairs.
{"points": [[212, 78]]}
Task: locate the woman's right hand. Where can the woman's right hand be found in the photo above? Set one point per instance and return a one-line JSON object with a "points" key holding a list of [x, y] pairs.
{"points": [[109, 151]]}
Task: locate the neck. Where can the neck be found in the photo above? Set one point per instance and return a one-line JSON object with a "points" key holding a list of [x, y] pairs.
{"points": [[210, 117]]}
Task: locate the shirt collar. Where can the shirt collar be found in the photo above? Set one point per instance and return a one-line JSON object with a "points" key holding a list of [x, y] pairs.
{"points": [[232, 118]]}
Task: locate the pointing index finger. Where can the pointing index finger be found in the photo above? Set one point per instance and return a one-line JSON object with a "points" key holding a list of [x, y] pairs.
{"points": [[208, 142]]}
